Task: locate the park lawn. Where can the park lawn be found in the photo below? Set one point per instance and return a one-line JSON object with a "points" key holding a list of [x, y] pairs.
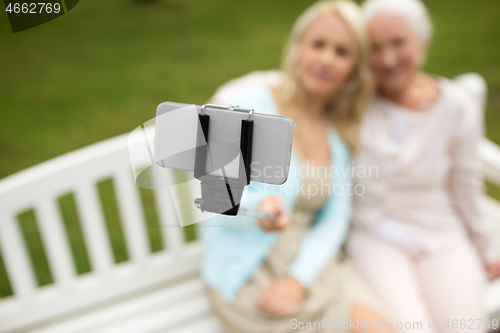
{"points": [[101, 70]]}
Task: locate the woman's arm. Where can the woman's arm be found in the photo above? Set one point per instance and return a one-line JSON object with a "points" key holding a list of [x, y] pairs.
{"points": [[318, 247], [328, 234], [466, 184], [323, 241]]}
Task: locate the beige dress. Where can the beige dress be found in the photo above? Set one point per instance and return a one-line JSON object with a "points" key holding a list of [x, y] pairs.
{"points": [[330, 297]]}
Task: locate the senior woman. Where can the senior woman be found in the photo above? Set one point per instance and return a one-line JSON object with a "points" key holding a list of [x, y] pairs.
{"points": [[290, 275], [418, 238]]}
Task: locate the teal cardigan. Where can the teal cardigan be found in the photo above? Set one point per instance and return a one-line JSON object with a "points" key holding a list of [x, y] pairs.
{"points": [[235, 247]]}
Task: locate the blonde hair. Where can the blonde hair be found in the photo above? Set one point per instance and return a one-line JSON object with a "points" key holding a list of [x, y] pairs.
{"points": [[346, 106]]}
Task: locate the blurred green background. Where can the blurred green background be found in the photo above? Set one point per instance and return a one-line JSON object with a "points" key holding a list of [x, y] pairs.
{"points": [[101, 70]]}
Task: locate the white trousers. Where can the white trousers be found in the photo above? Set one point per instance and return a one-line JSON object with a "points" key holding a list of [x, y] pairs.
{"points": [[448, 287]]}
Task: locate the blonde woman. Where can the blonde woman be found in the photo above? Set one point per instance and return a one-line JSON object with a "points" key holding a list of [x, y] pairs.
{"points": [[288, 274]]}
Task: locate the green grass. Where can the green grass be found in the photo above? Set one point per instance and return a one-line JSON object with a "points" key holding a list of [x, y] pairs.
{"points": [[102, 69], [74, 232], [113, 222], [36, 250]]}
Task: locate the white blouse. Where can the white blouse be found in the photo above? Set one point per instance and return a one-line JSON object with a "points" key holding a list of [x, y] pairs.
{"points": [[418, 173]]}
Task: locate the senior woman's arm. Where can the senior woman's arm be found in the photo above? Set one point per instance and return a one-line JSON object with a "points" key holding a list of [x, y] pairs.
{"points": [[466, 184]]}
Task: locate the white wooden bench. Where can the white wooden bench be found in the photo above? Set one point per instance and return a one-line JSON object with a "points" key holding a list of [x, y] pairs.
{"points": [[151, 292]]}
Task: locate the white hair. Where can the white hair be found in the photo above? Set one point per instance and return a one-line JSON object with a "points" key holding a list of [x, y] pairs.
{"points": [[412, 10]]}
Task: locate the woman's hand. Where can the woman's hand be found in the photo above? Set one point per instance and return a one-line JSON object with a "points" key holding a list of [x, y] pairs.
{"points": [[281, 297], [274, 207], [493, 269]]}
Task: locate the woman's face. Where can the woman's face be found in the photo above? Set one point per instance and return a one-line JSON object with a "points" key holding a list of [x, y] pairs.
{"points": [[327, 56], [397, 52]]}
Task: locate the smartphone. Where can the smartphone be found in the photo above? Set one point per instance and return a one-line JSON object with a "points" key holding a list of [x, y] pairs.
{"points": [[177, 127]]}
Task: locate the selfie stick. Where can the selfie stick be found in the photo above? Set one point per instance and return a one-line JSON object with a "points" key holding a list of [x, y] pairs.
{"points": [[222, 195]]}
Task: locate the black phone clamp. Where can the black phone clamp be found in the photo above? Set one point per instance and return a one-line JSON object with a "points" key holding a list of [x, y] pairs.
{"points": [[222, 195]]}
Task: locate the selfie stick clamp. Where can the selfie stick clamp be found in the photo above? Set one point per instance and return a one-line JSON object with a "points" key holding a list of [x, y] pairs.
{"points": [[222, 195]]}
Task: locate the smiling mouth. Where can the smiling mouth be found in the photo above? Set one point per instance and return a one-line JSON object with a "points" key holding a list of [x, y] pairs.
{"points": [[322, 76], [391, 72]]}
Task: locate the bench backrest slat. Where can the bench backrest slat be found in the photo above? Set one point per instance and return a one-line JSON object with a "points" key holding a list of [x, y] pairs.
{"points": [[15, 257]]}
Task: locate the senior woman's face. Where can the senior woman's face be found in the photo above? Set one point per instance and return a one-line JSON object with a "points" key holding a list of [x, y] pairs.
{"points": [[397, 52], [327, 56]]}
